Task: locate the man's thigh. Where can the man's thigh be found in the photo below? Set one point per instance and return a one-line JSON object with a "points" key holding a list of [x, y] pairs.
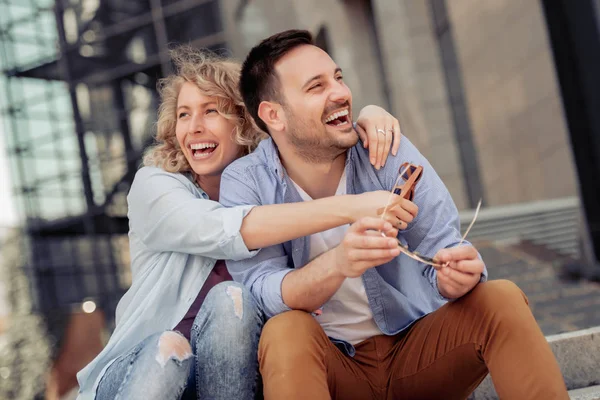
{"points": [[435, 360], [442, 355], [297, 360], [355, 377]]}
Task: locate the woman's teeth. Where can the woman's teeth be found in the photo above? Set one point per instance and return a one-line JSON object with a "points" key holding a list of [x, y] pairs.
{"points": [[201, 146], [202, 150]]}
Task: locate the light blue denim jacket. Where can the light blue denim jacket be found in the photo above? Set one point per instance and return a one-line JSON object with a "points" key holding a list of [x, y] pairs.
{"points": [[176, 234], [399, 292]]}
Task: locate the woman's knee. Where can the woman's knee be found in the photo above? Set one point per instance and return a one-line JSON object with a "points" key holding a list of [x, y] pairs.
{"points": [[159, 365], [232, 298], [172, 345], [229, 314]]}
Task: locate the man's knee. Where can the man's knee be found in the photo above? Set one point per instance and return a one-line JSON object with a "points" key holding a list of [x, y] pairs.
{"points": [[289, 335], [501, 289], [291, 325], [500, 296]]}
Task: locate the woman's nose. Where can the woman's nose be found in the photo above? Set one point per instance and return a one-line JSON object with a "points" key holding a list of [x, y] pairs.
{"points": [[196, 125]]}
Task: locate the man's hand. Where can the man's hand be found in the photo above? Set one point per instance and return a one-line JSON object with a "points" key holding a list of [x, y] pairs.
{"points": [[364, 247], [370, 120], [462, 272]]}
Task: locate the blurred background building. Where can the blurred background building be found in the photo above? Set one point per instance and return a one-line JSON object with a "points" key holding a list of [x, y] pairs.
{"points": [[481, 87]]}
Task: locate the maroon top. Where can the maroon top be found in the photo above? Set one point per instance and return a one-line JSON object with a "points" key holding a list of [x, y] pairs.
{"points": [[218, 274]]}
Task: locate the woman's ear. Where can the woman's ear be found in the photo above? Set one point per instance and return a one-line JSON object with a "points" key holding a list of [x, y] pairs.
{"points": [[272, 115]]}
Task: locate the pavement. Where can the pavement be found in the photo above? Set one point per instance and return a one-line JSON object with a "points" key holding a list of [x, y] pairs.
{"points": [[558, 304]]}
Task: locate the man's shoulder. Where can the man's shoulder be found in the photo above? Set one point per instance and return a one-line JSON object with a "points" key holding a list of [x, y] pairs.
{"points": [[256, 171], [406, 153], [248, 179], [258, 159]]}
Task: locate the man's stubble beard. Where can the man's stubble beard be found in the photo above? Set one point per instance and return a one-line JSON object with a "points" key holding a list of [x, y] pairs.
{"points": [[316, 149]]}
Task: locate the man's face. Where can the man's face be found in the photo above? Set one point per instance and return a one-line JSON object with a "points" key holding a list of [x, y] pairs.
{"points": [[317, 104]]}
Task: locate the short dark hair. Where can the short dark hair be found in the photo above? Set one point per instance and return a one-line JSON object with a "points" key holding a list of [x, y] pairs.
{"points": [[258, 79]]}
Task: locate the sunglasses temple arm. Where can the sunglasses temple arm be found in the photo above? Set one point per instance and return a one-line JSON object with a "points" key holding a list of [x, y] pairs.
{"points": [[472, 222]]}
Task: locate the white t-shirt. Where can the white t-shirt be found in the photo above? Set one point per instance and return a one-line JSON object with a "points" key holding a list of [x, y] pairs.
{"points": [[347, 315]]}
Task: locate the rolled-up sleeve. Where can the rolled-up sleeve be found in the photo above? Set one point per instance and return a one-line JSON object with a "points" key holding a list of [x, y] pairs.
{"points": [[166, 215], [263, 273]]}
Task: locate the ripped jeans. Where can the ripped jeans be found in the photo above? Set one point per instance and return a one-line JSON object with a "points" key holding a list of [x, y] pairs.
{"points": [[221, 362]]}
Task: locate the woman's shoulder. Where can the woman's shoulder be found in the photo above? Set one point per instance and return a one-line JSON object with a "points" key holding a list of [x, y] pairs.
{"points": [[157, 179], [156, 175]]}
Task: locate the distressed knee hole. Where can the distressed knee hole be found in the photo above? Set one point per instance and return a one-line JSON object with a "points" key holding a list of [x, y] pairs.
{"points": [[235, 293], [172, 346]]}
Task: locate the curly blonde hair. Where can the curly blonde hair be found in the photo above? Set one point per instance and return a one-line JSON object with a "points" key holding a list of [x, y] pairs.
{"points": [[217, 77]]}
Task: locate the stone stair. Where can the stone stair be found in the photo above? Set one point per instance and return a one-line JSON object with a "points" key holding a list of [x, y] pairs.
{"points": [[578, 354]]}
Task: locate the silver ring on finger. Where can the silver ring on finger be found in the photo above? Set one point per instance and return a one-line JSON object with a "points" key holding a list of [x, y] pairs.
{"points": [[381, 131]]}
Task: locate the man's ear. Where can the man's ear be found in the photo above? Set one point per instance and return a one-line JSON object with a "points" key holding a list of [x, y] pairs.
{"points": [[272, 115]]}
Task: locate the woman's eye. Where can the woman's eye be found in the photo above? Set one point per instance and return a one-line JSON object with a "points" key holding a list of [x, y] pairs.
{"points": [[183, 114], [211, 110]]}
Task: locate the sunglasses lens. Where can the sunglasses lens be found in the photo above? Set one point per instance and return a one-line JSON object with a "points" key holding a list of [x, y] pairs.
{"points": [[408, 172]]}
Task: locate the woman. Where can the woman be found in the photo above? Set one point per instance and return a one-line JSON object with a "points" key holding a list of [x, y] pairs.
{"points": [[183, 328]]}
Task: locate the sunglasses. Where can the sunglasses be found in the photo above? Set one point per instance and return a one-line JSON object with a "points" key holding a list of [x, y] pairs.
{"points": [[408, 176]]}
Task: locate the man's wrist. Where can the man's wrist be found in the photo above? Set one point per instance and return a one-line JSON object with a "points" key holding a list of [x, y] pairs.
{"points": [[335, 263]]}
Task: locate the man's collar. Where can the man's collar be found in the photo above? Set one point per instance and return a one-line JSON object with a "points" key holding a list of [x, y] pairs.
{"points": [[274, 161], [272, 155]]}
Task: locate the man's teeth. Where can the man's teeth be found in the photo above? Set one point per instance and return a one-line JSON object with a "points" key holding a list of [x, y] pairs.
{"points": [[336, 115], [201, 146]]}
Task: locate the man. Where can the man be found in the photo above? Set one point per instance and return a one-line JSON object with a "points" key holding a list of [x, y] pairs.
{"points": [[350, 317]]}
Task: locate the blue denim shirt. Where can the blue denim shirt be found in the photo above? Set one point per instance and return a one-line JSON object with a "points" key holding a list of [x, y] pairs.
{"points": [[399, 292]]}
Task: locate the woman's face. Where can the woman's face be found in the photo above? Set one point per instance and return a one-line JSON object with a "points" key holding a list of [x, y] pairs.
{"points": [[204, 135]]}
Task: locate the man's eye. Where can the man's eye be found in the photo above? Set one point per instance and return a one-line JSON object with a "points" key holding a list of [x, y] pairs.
{"points": [[340, 78], [318, 85]]}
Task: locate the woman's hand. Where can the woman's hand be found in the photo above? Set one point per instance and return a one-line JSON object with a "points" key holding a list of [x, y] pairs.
{"points": [[377, 129], [399, 212]]}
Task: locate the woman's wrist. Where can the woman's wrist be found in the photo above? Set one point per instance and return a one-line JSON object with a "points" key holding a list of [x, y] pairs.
{"points": [[348, 207]]}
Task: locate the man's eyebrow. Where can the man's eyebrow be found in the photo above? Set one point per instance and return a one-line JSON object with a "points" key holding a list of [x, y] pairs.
{"points": [[314, 78]]}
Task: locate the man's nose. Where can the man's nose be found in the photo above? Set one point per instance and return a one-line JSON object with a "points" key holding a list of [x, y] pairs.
{"points": [[340, 93]]}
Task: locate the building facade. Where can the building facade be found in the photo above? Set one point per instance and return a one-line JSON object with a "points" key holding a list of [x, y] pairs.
{"points": [[473, 84]]}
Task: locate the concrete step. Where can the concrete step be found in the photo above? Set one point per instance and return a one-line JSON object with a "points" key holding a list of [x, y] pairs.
{"points": [[589, 393], [578, 354]]}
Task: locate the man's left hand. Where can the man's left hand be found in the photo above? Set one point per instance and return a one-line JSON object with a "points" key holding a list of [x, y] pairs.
{"points": [[461, 271]]}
